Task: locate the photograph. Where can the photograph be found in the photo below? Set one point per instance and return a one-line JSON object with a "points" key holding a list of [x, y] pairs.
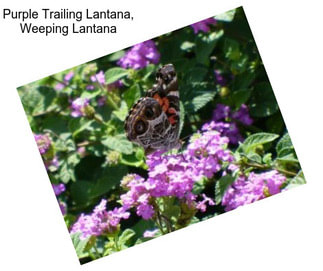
{"points": [[161, 135]]}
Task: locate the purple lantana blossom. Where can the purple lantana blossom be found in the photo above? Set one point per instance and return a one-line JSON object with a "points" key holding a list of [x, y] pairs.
{"points": [[219, 78], [140, 55], [78, 107], [249, 189], [100, 221], [58, 188], [201, 205], [43, 142], [174, 175], [203, 25], [68, 77], [225, 121], [100, 79]]}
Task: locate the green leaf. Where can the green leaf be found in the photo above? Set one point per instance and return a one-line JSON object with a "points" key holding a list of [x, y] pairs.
{"points": [[122, 113], [125, 237], [263, 102], [181, 117], [187, 46], [267, 159], [205, 45], [240, 97], [252, 156], [78, 125], [226, 17], [80, 192], [231, 49], [132, 160], [118, 143], [66, 172], [196, 74], [110, 178], [79, 244], [199, 101], [298, 180], [115, 56], [257, 139], [221, 186], [115, 74], [243, 81], [90, 94], [141, 226], [132, 95], [284, 142], [38, 100]]}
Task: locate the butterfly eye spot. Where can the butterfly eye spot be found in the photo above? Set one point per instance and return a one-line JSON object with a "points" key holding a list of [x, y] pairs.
{"points": [[140, 127]]}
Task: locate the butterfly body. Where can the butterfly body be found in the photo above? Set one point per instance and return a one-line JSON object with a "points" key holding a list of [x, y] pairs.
{"points": [[153, 121]]}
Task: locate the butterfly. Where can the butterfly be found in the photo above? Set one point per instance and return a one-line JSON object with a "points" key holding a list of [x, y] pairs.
{"points": [[153, 121]]}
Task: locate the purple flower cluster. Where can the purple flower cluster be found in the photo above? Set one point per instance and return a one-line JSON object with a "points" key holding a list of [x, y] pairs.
{"points": [[203, 25], [68, 77], [78, 107], [58, 188], [140, 55], [225, 122], [219, 78], [174, 175], [43, 142], [249, 189], [100, 221]]}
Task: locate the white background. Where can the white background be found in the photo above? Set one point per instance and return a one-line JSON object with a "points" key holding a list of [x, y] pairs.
{"points": [[282, 232]]}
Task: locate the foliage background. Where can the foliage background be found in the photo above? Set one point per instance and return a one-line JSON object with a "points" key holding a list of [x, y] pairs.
{"points": [[93, 154]]}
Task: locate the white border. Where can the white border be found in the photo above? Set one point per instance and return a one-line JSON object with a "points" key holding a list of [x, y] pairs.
{"points": [[281, 232]]}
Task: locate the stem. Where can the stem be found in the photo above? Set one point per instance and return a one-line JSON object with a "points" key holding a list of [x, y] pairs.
{"points": [[256, 165], [116, 240], [168, 223], [98, 119], [96, 251], [109, 100]]}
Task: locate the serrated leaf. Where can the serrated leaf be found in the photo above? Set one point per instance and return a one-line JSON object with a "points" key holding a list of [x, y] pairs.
{"points": [[114, 74], [124, 238], [284, 142], [79, 244], [257, 139], [252, 156], [289, 158], [118, 143], [199, 101], [297, 180]]}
